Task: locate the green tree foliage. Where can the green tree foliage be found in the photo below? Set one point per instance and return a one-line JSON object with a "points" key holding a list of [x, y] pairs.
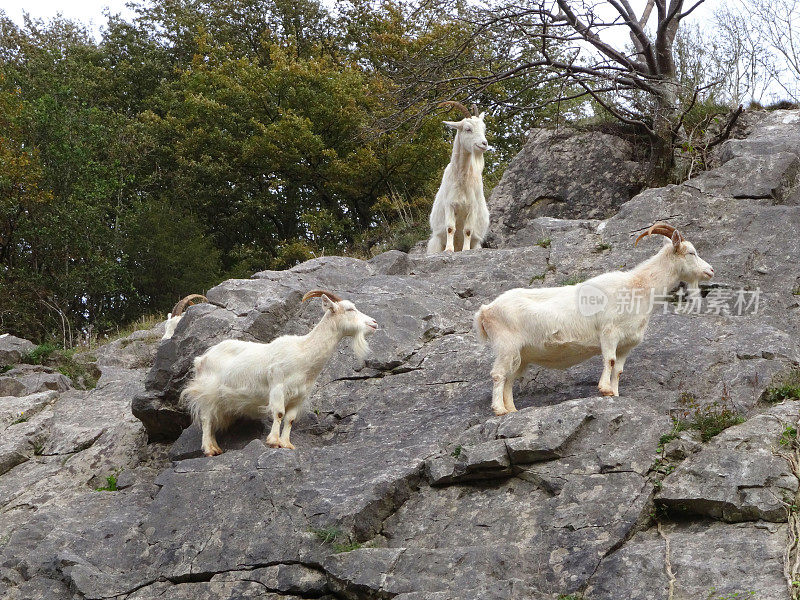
{"points": [[206, 139]]}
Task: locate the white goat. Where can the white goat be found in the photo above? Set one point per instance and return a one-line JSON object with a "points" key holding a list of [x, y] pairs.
{"points": [[176, 315], [561, 327], [459, 216], [237, 378]]}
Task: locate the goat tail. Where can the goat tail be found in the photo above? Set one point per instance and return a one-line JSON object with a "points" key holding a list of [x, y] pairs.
{"points": [[201, 395], [479, 325]]}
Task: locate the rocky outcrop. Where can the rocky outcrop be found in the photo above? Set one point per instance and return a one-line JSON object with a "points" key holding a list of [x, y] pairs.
{"points": [[563, 173], [12, 349], [403, 484]]}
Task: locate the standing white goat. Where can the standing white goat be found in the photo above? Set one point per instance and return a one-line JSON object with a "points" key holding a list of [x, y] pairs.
{"points": [[459, 217], [176, 315], [561, 327], [236, 378]]}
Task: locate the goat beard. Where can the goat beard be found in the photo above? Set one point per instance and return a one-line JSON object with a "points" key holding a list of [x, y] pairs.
{"points": [[360, 346]]}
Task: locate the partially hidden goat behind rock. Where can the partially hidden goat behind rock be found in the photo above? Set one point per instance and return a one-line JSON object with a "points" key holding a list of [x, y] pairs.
{"points": [[459, 217], [238, 378], [176, 315], [563, 326]]}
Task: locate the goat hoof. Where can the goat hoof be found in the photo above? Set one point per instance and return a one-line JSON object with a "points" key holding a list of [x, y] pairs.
{"points": [[213, 451], [500, 411], [512, 409], [606, 393]]}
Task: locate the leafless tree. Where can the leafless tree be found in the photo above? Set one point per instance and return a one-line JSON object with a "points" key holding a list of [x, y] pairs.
{"points": [[765, 36], [639, 84]]}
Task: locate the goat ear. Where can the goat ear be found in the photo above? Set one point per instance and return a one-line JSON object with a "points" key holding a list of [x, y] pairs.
{"points": [[328, 303], [676, 239], [452, 124], [483, 114]]}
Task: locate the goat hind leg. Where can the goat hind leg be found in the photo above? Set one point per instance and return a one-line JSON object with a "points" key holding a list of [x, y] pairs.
{"points": [[210, 445], [502, 376], [277, 407], [508, 392]]}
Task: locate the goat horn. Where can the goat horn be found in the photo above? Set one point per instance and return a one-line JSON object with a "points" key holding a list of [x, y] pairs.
{"points": [[185, 302], [458, 105], [318, 293], [659, 229], [474, 108]]}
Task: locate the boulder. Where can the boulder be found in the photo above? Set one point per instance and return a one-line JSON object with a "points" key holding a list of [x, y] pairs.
{"points": [[12, 349], [563, 173]]}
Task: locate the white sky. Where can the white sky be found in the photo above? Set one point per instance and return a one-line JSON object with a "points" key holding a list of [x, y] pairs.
{"points": [[90, 12]]}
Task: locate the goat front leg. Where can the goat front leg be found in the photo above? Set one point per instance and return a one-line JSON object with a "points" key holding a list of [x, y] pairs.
{"points": [[451, 230], [608, 347], [468, 229], [618, 368], [291, 414], [277, 406]]}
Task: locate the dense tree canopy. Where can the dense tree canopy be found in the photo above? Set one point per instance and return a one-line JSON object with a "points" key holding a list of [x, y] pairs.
{"points": [[206, 139]]}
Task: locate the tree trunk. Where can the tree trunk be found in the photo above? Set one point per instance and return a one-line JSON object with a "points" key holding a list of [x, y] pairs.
{"points": [[662, 140]]}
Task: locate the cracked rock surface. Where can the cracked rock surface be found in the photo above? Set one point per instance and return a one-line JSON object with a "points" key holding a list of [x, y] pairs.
{"points": [[403, 484]]}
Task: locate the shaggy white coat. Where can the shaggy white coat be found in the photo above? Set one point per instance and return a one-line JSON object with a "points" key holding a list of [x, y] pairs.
{"points": [[459, 217], [546, 326], [237, 378]]}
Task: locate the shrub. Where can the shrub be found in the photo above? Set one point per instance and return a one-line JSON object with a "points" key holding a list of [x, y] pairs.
{"points": [[40, 354], [708, 419]]}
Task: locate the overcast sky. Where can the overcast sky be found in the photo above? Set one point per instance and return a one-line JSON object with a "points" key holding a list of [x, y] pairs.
{"points": [[90, 12]]}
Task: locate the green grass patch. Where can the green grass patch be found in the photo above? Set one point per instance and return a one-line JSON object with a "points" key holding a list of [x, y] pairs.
{"points": [[574, 280], [40, 354], [544, 242], [570, 597], [327, 535], [709, 419], [796, 291], [336, 538], [111, 484], [788, 436], [602, 246], [5, 368], [457, 452], [779, 393], [71, 363], [348, 547], [539, 277], [21, 419]]}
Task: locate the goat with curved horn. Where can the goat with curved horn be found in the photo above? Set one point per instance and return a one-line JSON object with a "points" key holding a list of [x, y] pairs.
{"points": [[185, 302], [562, 326], [460, 217], [176, 315], [237, 378]]}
